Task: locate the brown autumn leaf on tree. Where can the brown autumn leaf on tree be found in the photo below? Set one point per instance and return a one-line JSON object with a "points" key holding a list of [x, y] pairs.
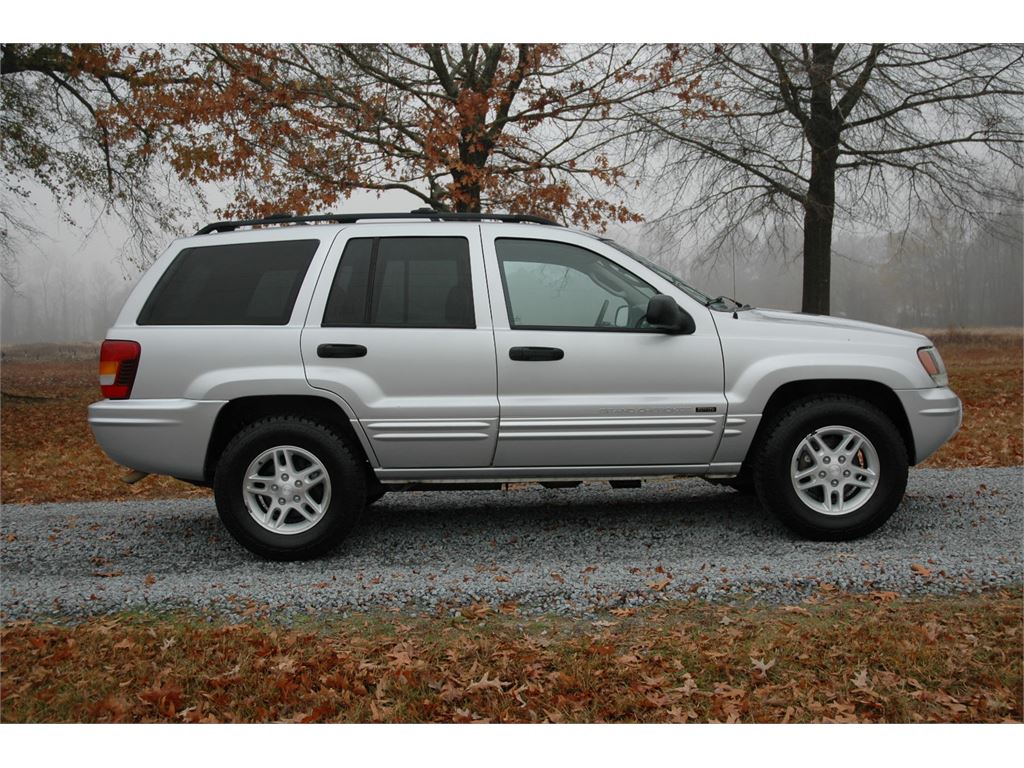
{"points": [[524, 128]]}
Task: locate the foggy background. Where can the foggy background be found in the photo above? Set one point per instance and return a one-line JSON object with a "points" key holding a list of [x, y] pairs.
{"points": [[69, 283]]}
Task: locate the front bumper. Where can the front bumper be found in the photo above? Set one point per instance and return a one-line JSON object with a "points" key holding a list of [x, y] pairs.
{"points": [[167, 437], [934, 414]]}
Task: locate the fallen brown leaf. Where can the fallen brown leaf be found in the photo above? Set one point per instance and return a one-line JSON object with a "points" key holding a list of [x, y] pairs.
{"points": [[487, 682]]}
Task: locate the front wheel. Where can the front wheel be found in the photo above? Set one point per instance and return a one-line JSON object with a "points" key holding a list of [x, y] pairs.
{"points": [[832, 468], [288, 488]]}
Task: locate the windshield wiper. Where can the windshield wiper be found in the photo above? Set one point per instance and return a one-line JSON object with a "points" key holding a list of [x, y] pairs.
{"points": [[724, 299]]}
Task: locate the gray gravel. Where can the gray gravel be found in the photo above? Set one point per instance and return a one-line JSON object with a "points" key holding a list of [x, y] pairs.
{"points": [[586, 549]]}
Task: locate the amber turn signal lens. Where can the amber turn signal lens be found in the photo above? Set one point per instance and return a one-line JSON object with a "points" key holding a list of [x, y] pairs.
{"points": [[924, 355], [933, 365]]}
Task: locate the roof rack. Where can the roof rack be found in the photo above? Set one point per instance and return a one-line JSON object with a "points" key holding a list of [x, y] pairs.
{"points": [[352, 218]]}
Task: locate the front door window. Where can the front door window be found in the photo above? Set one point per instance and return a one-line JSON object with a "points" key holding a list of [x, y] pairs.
{"points": [[550, 285]]}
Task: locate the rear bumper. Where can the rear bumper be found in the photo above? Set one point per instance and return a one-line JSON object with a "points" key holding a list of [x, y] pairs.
{"points": [[934, 415], [167, 437]]}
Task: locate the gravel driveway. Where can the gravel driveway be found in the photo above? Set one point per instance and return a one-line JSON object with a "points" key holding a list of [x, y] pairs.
{"points": [[565, 550]]}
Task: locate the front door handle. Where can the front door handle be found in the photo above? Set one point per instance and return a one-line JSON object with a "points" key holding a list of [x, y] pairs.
{"points": [[535, 353], [341, 350]]}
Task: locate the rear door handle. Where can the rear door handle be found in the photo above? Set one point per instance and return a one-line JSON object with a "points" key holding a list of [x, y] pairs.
{"points": [[535, 353], [341, 350]]}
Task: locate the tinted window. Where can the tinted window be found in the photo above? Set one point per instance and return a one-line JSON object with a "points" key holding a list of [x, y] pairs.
{"points": [[421, 282], [241, 284], [347, 302], [556, 285]]}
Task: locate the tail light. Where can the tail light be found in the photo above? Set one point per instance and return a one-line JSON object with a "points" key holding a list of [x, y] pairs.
{"points": [[119, 362]]}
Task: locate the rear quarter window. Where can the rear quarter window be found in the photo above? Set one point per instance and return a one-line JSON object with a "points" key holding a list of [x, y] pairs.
{"points": [[239, 284]]}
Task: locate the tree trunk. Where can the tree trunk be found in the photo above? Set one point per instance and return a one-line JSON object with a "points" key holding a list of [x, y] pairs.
{"points": [[466, 188], [822, 131], [819, 210]]}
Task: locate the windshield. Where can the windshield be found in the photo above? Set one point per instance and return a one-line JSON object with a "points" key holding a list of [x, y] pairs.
{"points": [[708, 301], [661, 272]]}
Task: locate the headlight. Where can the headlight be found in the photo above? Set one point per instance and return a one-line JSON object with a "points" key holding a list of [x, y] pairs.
{"points": [[932, 362]]}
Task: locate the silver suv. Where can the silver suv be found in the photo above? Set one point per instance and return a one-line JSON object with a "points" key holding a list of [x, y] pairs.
{"points": [[304, 366]]}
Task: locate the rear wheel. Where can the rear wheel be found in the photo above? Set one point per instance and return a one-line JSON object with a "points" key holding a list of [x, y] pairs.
{"points": [[288, 488], [832, 468]]}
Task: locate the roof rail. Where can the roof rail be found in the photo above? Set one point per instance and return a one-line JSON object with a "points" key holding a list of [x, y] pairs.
{"points": [[352, 218]]}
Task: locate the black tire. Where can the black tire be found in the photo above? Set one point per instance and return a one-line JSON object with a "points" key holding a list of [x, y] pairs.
{"points": [[345, 470], [775, 451]]}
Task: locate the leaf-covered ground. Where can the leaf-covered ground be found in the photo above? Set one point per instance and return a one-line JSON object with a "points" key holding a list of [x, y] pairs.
{"points": [[987, 373], [49, 453], [838, 659]]}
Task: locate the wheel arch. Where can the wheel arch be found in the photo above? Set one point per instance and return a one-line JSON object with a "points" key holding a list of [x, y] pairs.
{"points": [[240, 412], [876, 393]]}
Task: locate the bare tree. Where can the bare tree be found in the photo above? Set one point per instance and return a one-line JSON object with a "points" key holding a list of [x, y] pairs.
{"points": [[873, 133]]}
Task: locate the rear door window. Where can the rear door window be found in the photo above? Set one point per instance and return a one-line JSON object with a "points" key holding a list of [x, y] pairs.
{"points": [[415, 282], [238, 284]]}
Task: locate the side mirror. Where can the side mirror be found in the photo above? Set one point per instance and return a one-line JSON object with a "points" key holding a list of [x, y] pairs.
{"points": [[665, 315]]}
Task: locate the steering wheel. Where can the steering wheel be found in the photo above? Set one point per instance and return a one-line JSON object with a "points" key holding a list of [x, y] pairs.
{"points": [[600, 315]]}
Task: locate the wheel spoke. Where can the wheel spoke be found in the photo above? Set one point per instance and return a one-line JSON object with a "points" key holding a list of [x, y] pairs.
{"points": [[828, 500], [301, 509], [850, 445], [809, 472], [814, 453], [258, 485], [807, 490], [311, 475], [315, 481], [289, 461], [283, 461]]}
